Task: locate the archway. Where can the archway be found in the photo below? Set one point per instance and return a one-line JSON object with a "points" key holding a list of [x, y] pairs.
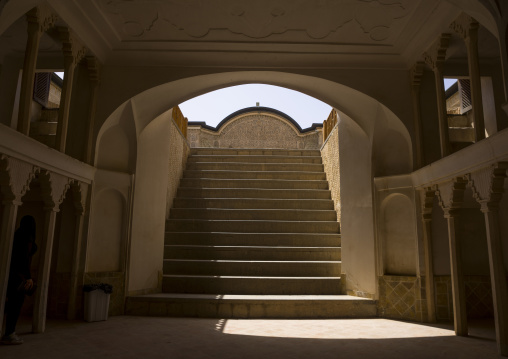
{"points": [[367, 126]]}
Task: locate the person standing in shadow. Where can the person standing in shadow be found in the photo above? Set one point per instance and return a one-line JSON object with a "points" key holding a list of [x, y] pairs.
{"points": [[20, 281]]}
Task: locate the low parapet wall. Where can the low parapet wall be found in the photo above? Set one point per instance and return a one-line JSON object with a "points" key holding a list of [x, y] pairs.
{"points": [[257, 127]]}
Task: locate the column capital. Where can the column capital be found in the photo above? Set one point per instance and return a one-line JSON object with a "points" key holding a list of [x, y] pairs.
{"points": [[53, 189], [435, 55], [466, 27], [15, 178], [79, 196], [94, 69], [42, 18], [416, 73], [487, 185], [73, 50], [450, 195]]}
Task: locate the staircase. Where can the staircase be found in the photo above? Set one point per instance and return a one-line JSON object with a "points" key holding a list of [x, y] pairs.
{"points": [[252, 234]]}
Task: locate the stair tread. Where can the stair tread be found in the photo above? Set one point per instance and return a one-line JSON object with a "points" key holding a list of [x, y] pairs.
{"points": [[248, 261], [243, 297], [247, 277]]}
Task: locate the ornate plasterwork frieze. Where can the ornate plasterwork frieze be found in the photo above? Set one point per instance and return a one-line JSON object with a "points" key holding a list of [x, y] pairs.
{"points": [[416, 73], [79, 196], [450, 194], [434, 57], [54, 187], [427, 199], [15, 178], [464, 25], [42, 16], [73, 49], [94, 69], [487, 184], [257, 19]]}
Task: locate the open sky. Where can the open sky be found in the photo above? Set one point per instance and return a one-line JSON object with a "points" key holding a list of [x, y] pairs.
{"points": [[214, 106]]}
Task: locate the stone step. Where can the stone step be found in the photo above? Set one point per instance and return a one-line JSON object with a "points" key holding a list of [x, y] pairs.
{"points": [[253, 183], [254, 159], [230, 306], [281, 175], [251, 268], [253, 152], [254, 214], [242, 166], [194, 192], [250, 285], [253, 239], [242, 252], [241, 226], [252, 203]]}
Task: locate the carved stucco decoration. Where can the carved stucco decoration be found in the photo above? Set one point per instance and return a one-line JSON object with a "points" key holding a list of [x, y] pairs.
{"points": [[256, 130], [464, 25], [487, 184], [79, 196], [259, 19], [73, 49], [427, 200], [450, 194], [435, 56], [54, 187], [15, 178]]}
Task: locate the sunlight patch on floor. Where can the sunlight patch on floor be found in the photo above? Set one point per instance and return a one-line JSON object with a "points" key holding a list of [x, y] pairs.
{"points": [[331, 329]]}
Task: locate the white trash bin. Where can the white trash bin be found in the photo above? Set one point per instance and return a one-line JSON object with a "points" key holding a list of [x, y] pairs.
{"points": [[96, 305]]}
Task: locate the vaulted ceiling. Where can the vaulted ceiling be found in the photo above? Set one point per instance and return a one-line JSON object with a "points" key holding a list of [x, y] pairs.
{"points": [[243, 33]]}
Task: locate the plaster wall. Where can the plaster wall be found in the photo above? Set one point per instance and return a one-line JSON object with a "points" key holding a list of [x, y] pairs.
{"points": [[149, 206], [179, 151], [331, 162], [255, 130], [358, 243]]}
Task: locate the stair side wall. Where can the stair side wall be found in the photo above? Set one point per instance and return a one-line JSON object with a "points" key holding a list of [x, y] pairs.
{"points": [[179, 151], [330, 156]]}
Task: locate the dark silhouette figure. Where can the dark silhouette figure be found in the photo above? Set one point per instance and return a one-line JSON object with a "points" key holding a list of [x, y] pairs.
{"points": [[20, 279]]}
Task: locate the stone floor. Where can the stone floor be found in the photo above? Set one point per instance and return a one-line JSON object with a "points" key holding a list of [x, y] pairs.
{"points": [[149, 337]]}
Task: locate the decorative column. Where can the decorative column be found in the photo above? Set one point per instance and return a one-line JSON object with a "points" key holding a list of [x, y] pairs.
{"points": [[94, 74], [53, 189], [39, 20], [73, 53], [435, 58], [467, 28], [427, 204], [488, 187], [79, 194], [416, 74], [15, 178], [450, 196]]}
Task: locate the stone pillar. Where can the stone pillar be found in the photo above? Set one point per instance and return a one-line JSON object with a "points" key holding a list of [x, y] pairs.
{"points": [[488, 187], [53, 189], [15, 177], [416, 77], [428, 199], [467, 28], [435, 58], [94, 73], [39, 20], [450, 196], [73, 53], [79, 192]]}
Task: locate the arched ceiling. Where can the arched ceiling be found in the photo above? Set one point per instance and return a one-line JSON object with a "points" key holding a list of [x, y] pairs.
{"points": [[289, 33]]}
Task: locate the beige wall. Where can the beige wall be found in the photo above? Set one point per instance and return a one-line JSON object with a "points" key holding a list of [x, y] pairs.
{"points": [[179, 150], [331, 162], [256, 130]]}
